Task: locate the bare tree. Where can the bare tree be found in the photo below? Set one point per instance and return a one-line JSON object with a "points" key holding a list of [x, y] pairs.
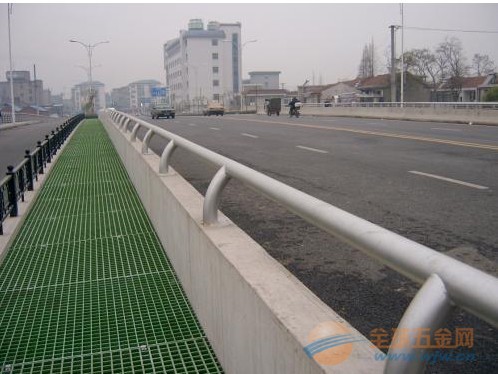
{"points": [[451, 51], [482, 65], [423, 63], [367, 63], [450, 56]]}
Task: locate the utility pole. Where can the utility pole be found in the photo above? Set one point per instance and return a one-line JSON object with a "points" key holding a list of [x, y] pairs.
{"points": [[9, 12], [393, 65], [402, 57]]}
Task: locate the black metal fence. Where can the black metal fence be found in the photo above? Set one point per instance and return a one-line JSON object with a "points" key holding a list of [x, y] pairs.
{"points": [[21, 178]]}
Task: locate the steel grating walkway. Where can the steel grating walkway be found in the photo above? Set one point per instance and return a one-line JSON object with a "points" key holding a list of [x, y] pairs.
{"points": [[86, 286]]}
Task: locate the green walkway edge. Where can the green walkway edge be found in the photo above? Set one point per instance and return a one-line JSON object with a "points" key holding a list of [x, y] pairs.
{"points": [[86, 286]]}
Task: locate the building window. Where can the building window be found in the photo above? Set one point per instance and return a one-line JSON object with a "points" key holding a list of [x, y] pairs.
{"points": [[216, 69], [216, 83], [215, 56], [216, 97], [214, 42]]}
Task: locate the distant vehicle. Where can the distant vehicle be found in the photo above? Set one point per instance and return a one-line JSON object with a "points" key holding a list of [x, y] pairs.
{"points": [[274, 106], [214, 108], [162, 110]]}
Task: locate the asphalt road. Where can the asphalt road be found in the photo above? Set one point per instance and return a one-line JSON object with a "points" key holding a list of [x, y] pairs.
{"points": [[434, 183], [14, 141]]}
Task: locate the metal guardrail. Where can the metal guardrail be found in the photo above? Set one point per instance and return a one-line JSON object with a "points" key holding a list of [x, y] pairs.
{"points": [[21, 178], [448, 105], [446, 282]]}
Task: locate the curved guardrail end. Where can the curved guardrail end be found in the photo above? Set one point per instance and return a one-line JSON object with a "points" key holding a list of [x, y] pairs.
{"points": [[213, 196], [426, 313], [165, 157], [146, 141]]}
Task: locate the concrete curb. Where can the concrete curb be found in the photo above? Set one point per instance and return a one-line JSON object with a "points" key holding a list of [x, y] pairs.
{"points": [[483, 117]]}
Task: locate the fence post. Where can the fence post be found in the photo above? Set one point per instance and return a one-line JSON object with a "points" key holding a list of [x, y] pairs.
{"points": [[48, 150], [11, 190], [41, 160], [29, 170]]}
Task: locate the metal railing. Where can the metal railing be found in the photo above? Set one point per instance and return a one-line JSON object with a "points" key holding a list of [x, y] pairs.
{"points": [[21, 178], [448, 105], [446, 282]]}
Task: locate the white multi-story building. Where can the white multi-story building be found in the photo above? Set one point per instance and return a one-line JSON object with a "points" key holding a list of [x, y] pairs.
{"points": [[204, 64], [79, 95], [141, 93]]}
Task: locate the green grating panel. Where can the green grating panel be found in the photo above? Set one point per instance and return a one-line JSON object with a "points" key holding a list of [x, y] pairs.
{"points": [[86, 286]]}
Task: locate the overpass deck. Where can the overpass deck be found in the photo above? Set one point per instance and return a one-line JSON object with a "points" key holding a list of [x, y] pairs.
{"points": [[86, 285]]}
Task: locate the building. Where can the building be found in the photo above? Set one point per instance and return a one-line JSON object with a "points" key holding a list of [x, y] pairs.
{"points": [[255, 97], [375, 89], [79, 94], [268, 80], [135, 97], [26, 91], [141, 93], [465, 89], [204, 64], [120, 99]]}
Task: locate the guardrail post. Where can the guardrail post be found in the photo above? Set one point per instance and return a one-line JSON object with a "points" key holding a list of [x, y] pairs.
{"points": [[125, 125], [41, 160], [12, 191], [146, 141], [29, 170], [122, 123], [213, 196], [165, 156], [53, 143], [47, 147], [133, 135], [428, 310]]}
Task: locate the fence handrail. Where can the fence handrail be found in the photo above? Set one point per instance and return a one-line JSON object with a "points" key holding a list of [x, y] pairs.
{"points": [[467, 286]]}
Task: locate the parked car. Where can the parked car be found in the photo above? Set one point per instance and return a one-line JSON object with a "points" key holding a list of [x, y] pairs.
{"points": [[162, 110], [214, 108]]}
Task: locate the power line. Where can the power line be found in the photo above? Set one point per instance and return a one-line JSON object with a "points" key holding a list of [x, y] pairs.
{"points": [[452, 30]]}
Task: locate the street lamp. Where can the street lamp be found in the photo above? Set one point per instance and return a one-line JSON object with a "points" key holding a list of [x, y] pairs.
{"points": [[241, 47], [89, 48], [9, 12], [304, 89]]}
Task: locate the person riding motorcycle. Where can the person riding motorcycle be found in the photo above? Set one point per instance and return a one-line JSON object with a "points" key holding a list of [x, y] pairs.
{"points": [[292, 105]]}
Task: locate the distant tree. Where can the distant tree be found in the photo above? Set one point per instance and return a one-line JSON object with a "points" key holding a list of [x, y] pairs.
{"points": [[482, 65], [492, 95], [451, 51], [422, 62], [367, 64], [452, 63]]}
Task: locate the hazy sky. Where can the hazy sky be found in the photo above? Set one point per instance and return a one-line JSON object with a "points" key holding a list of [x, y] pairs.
{"points": [[297, 39]]}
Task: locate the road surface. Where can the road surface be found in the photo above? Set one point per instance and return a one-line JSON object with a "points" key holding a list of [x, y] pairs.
{"points": [[434, 183]]}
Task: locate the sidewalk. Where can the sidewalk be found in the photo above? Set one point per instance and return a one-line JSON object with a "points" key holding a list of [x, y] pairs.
{"points": [[86, 286]]}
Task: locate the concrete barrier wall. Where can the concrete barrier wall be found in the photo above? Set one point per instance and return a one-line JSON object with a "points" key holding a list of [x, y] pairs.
{"points": [[437, 114], [256, 314]]}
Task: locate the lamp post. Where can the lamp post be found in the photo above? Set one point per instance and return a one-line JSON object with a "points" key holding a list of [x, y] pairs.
{"points": [[89, 48], [241, 47], [304, 89], [9, 11]]}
